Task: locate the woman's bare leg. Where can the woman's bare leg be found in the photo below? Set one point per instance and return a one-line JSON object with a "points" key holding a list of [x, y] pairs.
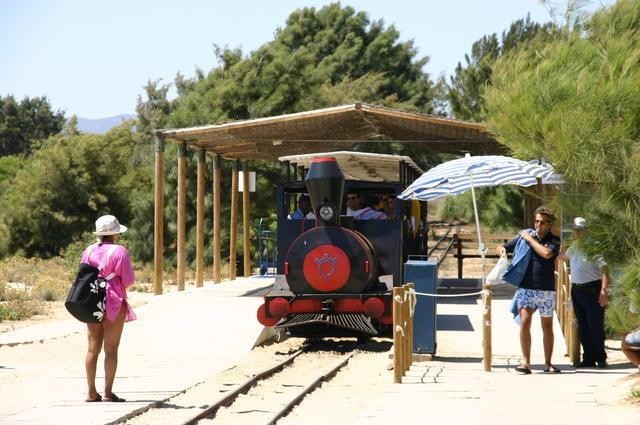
{"points": [[94, 346], [112, 334]]}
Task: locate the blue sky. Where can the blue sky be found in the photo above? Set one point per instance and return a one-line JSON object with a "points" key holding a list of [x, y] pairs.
{"points": [[92, 58]]}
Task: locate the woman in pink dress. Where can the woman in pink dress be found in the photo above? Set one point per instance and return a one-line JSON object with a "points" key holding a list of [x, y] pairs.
{"points": [[106, 334]]}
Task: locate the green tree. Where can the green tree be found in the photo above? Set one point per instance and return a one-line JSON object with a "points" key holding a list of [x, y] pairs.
{"points": [[152, 111], [64, 187], [320, 58], [25, 122], [576, 103], [468, 84], [500, 208]]}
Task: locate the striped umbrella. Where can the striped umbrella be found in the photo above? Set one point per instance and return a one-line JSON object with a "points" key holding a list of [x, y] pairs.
{"points": [[459, 175]]}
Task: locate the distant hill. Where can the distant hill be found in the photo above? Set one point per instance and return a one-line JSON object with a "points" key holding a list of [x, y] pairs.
{"points": [[101, 125]]}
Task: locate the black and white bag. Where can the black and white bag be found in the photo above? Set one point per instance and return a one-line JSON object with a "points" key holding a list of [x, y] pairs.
{"points": [[86, 299]]}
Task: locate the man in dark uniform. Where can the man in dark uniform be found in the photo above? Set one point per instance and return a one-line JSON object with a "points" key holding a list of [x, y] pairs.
{"points": [[537, 289]]}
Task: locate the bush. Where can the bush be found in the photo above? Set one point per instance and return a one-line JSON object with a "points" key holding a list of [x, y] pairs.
{"points": [[26, 282], [19, 309]]}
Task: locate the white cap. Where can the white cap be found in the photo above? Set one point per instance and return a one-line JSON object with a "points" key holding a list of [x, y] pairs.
{"points": [[579, 223], [108, 225]]}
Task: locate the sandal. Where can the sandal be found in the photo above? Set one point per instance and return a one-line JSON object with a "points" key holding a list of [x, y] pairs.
{"points": [[94, 400], [523, 369], [551, 369], [114, 399]]}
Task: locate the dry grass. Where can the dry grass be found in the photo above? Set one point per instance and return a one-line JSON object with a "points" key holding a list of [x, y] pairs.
{"points": [[28, 285]]}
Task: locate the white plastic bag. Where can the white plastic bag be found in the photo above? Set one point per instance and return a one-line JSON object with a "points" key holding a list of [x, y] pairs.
{"points": [[495, 275]]}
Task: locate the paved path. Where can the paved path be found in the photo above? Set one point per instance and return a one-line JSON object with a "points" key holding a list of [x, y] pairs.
{"points": [[179, 339], [454, 388], [183, 338]]}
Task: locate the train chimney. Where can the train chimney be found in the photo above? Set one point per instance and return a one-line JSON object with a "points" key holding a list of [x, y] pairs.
{"points": [[325, 184]]}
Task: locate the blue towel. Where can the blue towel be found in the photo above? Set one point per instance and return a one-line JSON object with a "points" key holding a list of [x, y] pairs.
{"points": [[517, 269], [513, 308], [521, 258]]}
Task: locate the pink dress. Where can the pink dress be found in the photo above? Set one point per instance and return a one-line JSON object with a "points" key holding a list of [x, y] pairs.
{"points": [[120, 264]]}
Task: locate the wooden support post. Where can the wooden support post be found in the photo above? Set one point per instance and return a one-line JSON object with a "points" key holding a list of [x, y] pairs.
{"points": [[202, 166], [182, 205], [456, 237], [486, 327], [572, 324], [217, 213], [398, 337], [574, 339], [410, 297], [158, 217], [233, 222], [246, 229]]}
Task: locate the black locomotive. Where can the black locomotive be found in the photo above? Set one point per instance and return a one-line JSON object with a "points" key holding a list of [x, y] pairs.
{"points": [[335, 272]]}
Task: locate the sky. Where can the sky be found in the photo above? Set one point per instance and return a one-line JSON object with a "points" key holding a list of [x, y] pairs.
{"points": [[92, 58]]}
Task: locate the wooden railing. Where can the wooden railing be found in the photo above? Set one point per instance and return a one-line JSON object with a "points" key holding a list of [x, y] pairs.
{"points": [[403, 306], [564, 310], [490, 244]]}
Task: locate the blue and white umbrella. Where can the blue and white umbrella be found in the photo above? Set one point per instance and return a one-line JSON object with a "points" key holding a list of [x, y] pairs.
{"points": [[459, 175]]}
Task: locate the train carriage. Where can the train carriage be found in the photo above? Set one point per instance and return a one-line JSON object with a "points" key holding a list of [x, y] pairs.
{"points": [[335, 271]]}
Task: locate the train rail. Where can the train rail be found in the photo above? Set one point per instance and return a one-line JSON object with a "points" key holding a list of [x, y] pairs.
{"points": [[279, 386], [248, 393], [443, 245]]}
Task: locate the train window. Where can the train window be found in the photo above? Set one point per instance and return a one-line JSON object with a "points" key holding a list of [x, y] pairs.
{"points": [[389, 206], [369, 208], [353, 203], [304, 210]]}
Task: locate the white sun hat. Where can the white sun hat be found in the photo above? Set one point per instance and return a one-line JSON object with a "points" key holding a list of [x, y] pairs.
{"points": [[108, 225]]}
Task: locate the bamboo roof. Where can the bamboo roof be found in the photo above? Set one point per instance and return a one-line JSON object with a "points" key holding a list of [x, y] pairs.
{"points": [[361, 165], [331, 129]]}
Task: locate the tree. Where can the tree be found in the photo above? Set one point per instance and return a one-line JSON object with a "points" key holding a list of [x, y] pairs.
{"points": [[23, 123], [466, 92], [576, 103], [500, 207], [152, 112], [64, 187], [320, 58]]}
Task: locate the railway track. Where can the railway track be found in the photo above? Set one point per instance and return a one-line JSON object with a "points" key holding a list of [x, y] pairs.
{"points": [[272, 392]]}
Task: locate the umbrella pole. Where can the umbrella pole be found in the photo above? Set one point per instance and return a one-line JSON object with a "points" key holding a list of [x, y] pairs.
{"points": [[486, 296]]}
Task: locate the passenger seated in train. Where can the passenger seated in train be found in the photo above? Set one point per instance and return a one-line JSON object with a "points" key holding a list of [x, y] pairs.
{"points": [[353, 203], [368, 212], [304, 209], [389, 206]]}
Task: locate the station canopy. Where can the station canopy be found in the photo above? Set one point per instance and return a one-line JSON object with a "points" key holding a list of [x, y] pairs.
{"points": [[361, 165], [334, 129]]}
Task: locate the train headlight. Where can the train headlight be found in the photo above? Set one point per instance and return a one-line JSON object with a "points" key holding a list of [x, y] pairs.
{"points": [[326, 212]]}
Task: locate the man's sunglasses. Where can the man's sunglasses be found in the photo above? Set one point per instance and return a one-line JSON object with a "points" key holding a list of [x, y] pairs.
{"points": [[352, 198]]}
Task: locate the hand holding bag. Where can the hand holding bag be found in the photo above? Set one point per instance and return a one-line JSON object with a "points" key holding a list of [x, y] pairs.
{"points": [[86, 298], [495, 275]]}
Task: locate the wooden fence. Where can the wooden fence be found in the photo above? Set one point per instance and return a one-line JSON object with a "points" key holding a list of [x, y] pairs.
{"points": [[564, 310], [403, 307], [491, 242]]}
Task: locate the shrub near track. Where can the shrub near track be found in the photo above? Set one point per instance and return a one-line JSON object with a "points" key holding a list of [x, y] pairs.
{"points": [[26, 283]]}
